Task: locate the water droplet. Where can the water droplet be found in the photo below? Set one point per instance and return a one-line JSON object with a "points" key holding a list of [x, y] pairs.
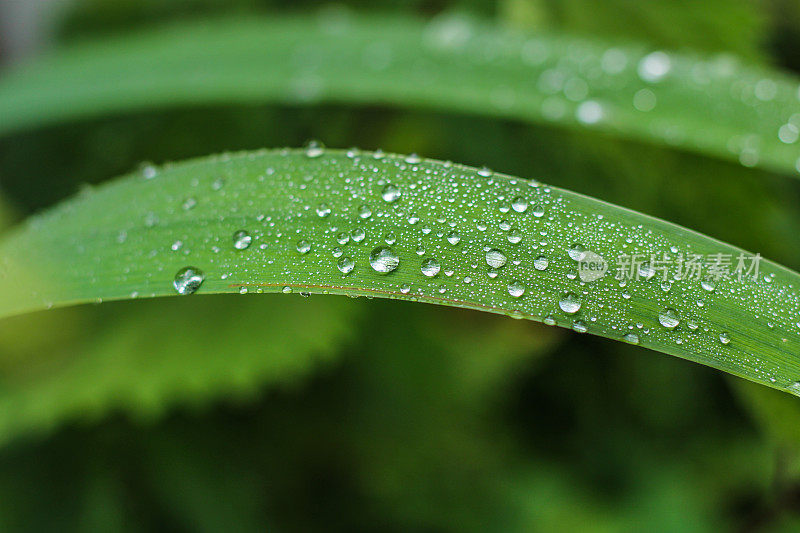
{"points": [[405, 288], [188, 204], [430, 267], [346, 265], [286, 290], [413, 159], [580, 326], [589, 112], [520, 204], [323, 210], [303, 246], [516, 289], [538, 211], [577, 252], [188, 280], [364, 211], [549, 320], [632, 338], [708, 285], [485, 172], [724, 338], [383, 260], [669, 319], [314, 149], [358, 234], [495, 258], [570, 304], [653, 67], [540, 263], [514, 236], [391, 193], [241, 239], [453, 238]]}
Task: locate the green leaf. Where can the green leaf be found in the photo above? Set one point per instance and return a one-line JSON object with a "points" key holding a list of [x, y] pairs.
{"points": [[372, 224], [711, 105], [193, 352]]}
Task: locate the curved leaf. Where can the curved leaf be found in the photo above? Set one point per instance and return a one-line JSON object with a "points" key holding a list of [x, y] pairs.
{"points": [[711, 105], [371, 224]]}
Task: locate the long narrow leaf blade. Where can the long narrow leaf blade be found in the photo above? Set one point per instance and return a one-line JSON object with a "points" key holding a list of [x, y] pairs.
{"points": [[377, 225], [710, 105]]}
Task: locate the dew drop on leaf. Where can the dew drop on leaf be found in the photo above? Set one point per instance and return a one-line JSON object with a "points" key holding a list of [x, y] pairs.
{"points": [[516, 289], [188, 280], [242, 240], [570, 303], [430, 267], [495, 258], [383, 260], [346, 265], [669, 319]]}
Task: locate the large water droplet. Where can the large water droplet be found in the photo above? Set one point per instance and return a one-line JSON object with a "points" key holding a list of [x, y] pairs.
{"points": [[540, 263], [383, 260], [669, 319], [188, 279], [580, 326], [495, 258], [430, 267], [241, 239], [570, 303]]}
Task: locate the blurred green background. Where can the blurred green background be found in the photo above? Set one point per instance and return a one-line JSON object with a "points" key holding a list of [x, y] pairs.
{"points": [[282, 413]]}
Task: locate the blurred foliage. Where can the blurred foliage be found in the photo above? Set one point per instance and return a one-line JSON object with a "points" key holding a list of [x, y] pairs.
{"points": [[286, 414]]}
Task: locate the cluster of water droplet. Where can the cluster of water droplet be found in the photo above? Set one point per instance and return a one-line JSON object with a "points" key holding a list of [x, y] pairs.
{"points": [[362, 223]]}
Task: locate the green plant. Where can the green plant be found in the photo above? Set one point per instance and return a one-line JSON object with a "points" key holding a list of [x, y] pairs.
{"points": [[411, 401]]}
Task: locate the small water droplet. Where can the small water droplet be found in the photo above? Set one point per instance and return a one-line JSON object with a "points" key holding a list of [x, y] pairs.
{"points": [[538, 211], [241, 239], [314, 149], [550, 320], [358, 234], [453, 238], [516, 289], [188, 280], [413, 159], [485, 172], [541, 263], [303, 246], [669, 319], [364, 211], [708, 285], [323, 210], [724, 338], [346, 265], [519, 204], [632, 338], [570, 303], [580, 326], [383, 260], [391, 193]]}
